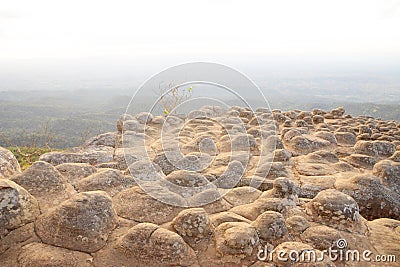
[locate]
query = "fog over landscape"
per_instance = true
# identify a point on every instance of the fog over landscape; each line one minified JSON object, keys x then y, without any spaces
{"x":76,"y":65}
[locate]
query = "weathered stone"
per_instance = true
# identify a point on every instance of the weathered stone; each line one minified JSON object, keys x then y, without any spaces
{"x":75,"y":171}
{"x":135,"y":204}
{"x":17,"y":207}
{"x":82,"y":223}
{"x":44,"y":182}
{"x":333,"y":208}
{"x":297,"y":224}
{"x":345,"y":138}
{"x":8,"y":163}
{"x":236,"y":240}
{"x":375,"y":148}
{"x":148,"y":244}
{"x":105,"y":139}
{"x":108,"y":180}
{"x":193,"y":225}
{"x":270,"y":226}
{"x":389,"y":173}
{"x":321,"y":237}
{"x":374,"y":199}
{"x":360,"y":161}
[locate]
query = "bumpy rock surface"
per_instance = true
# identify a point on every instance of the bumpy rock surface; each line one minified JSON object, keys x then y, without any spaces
{"x":17,"y":207}
{"x":82,"y":223}
{"x":44,"y":182}
{"x":8,"y":163}
{"x":214,"y":187}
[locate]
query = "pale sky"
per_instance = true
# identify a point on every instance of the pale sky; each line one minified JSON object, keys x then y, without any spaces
{"x":49,"y":29}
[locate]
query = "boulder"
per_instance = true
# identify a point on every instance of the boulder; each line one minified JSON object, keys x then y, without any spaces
{"x":193,"y":225}
{"x":375,"y":148}
{"x":389,"y":173}
{"x":17,"y":207}
{"x":297,"y":224}
{"x":45,"y":182}
{"x":105,"y":139}
{"x":74,"y":172}
{"x":335,"y":209}
{"x":148,"y":244}
{"x":135,"y":204}
{"x":108,"y":180}
{"x":81,"y":223}
{"x":270,"y":226}
{"x":236,"y":240}
{"x":8,"y":163}
{"x":374,"y":199}
{"x":321,"y":237}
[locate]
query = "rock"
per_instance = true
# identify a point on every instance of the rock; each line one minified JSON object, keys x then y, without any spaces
{"x":144,"y":117}
{"x":389,"y":231}
{"x":230,"y":178}
{"x":360,"y":161}
{"x":345,"y":138}
{"x":38,"y":255}
{"x":389,"y":173}
{"x":336,"y":209}
{"x":74,"y":172}
{"x":242,"y":195}
{"x":285,"y":188}
{"x":186,"y":183}
{"x":145,"y":170}
{"x":11,"y":244}
{"x":314,"y":169}
{"x":132,"y":125}
{"x":8,"y":163}
{"x":135,"y":204}
{"x":44,"y":182}
{"x":396,"y":156}
{"x":92,"y":155}
{"x":282,"y":155}
{"x":316,"y":119}
{"x":374,"y":199}
{"x":81,"y":223}
{"x":338,"y":112}
{"x":328,"y":136}
{"x":222,"y":217}
{"x":296,"y":224}
{"x":375,"y":148}
{"x":307,"y":143}
{"x":312,"y":185}
{"x":148,"y":244}
{"x":121,"y":120}
{"x":108,"y":180}
{"x":235,"y":240}
{"x":253,"y":210}
{"x":271,"y":170}
{"x":105,"y":139}
{"x":193,"y":225}
{"x":164,"y":161}
{"x":270,"y":226}
{"x":321,"y":237}
{"x":189,"y":199}
{"x":124,"y":157}
{"x":17,"y":207}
